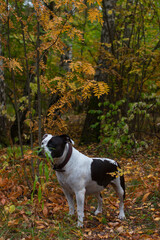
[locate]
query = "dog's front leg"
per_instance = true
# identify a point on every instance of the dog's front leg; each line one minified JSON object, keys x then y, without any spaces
{"x":80,"y":196}
{"x":70,"y":201}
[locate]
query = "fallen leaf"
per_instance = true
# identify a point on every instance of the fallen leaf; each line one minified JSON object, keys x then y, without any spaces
{"x":13,"y":222}
{"x":45,"y":211}
{"x":3,"y":201}
{"x":12,"y":208}
{"x":138,"y":194}
{"x":113,"y":224}
{"x":120,"y":229}
{"x":145,"y":196}
{"x":41,"y":226}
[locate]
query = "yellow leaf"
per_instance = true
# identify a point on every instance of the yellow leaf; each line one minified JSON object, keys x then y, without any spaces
{"x":12,"y":208}
{"x":108,"y":45}
{"x":145,"y":196}
{"x":110,"y":12}
{"x":41,"y":226}
{"x":139,"y":208}
{"x":5,"y":164}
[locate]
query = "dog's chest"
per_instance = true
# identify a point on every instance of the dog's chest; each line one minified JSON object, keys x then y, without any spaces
{"x":77,"y":173}
{"x":65,"y":181}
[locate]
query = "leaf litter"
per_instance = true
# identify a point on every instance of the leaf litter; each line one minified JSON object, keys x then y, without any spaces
{"x":23,"y":218}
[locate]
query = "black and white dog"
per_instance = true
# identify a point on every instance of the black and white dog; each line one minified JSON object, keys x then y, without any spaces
{"x":80,"y":175}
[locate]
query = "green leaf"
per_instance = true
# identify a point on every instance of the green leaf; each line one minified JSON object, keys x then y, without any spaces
{"x":39,"y":193}
{"x":41,"y":168}
{"x":34,"y":184}
{"x":46,"y":172}
{"x":95,"y":125}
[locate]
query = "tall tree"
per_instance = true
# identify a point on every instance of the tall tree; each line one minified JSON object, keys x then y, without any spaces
{"x":2,"y":97}
{"x":107,"y":38}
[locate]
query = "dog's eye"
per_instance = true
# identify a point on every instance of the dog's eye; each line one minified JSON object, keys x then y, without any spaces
{"x":45,"y":135}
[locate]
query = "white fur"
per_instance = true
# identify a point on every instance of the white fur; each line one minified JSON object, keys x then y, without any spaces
{"x":108,"y":159}
{"x":44,"y":144}
{"x":76,"y":179}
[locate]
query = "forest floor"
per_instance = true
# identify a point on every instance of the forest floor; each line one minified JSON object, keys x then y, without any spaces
{"x":44,"y":215}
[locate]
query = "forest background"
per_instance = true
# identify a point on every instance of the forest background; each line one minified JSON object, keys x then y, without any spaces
{"x":89,"y":69}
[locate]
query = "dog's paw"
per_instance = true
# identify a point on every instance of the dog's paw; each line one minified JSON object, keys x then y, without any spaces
{"x":122,"y":216}
{"x":71,"y":213}
{"x":97,"y":212}
{"x":80,"y":224}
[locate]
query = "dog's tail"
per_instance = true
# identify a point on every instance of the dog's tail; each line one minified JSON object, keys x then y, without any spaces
{"x":122,"y":181}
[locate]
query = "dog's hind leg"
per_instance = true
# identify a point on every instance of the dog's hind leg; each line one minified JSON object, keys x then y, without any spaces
{"x":99,"y":208}
{"x":116,"y":183}
{"x":70,"y":201}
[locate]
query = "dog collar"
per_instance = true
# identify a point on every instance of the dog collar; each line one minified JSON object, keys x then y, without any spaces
{"x":59,"y":167}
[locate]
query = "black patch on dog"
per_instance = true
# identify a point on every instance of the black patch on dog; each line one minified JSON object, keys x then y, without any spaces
{"x":56,"y":145}
{"x":103,"y":172}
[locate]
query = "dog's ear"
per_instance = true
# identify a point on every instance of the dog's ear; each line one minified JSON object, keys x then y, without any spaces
{"x":67,"y":138}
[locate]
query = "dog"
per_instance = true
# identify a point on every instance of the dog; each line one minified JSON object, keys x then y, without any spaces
{"x":82,"y":175}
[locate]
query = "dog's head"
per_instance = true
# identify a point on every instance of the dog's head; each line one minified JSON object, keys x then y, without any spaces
{"x":54,"y":145}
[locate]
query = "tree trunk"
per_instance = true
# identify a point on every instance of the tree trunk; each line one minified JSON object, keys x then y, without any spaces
{"x":14,"y":83}
{"x":107,"y":36}
{"x":3,"y":120}
{"x":66,"y":58}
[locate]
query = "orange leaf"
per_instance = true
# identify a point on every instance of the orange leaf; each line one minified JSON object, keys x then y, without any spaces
{"x":13,"y":222}
{"x":145,"y":196}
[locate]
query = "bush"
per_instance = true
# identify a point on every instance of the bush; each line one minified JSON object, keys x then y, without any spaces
{"x":123,"y":124}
